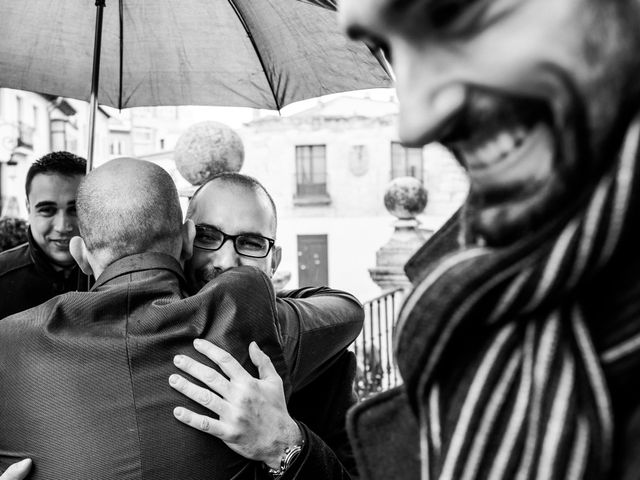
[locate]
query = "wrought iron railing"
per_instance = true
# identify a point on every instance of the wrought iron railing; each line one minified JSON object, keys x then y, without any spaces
{"x":374,"y":347}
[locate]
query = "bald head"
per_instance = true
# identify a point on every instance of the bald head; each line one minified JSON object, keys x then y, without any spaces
{"x":129,"y":206}
{"x":236,"y":180}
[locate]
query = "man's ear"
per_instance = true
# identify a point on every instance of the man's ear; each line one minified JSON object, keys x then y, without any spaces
{"x":188,"y":236}
{"x":78,"y":251}
{"x":275,"y":258}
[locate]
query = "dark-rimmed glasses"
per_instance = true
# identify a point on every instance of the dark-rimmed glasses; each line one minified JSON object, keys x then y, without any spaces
{"x":246,"y":244}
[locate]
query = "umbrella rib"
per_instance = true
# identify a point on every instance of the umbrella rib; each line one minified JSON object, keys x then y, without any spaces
{"x":121,"y":15}
{"x":255,"y":48}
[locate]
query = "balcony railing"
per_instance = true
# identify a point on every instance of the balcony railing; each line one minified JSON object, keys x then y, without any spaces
{"x":377,"y":370}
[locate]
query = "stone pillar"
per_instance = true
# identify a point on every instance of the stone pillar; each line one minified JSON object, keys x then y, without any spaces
{"x":405,"y":198}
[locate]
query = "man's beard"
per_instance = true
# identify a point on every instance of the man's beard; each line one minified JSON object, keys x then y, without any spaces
{"x":204,"y":275}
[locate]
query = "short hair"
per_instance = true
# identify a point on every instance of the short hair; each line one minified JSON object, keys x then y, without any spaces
{"x":60,"y":163}
{"x":239,"y":180}
{"x":131,"y":206}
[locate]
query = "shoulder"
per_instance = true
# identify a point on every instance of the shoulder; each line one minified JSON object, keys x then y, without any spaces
{"x":26,"y":320}
{"x":15,"y":259}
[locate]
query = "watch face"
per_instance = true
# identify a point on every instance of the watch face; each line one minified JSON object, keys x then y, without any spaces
{"x":290,"y":455}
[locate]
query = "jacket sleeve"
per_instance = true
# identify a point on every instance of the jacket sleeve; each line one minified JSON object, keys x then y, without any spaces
{"x":322,"y":407}
{"x":316,"y":324}
{"x":316,"y":462}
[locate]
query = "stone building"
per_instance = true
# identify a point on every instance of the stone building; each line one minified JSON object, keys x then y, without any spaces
{"x":32,"y":125}
{"x":328,"y":169}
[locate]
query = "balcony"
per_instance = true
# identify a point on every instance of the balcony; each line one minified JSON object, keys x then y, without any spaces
{"x":377,"y":370}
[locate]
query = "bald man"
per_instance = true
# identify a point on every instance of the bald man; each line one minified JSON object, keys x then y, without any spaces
{"x":125,"y":332}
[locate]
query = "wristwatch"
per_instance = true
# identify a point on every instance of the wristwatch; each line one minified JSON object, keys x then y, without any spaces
{"x":289,"y":456}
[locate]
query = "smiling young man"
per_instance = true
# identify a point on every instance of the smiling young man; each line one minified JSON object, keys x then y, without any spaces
{"x":43,"y":268}
{"x":520,"y":344}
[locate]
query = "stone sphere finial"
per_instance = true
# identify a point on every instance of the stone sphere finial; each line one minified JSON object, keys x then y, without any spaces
{"x":405,"y":197}
{"x":206,"y":149}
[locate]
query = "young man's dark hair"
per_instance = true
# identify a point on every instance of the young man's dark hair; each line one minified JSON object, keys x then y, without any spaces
{"x":61,"y":163}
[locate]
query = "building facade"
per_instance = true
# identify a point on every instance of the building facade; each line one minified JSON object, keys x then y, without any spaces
{"x":32,"y":125}
{"x":328,"y":169}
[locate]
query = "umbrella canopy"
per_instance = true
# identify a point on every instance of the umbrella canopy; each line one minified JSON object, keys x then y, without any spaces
{"x":247,"y":53}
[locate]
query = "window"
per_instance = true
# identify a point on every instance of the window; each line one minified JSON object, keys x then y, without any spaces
{"x":406,"y":162}
{"x":115,"y":147}
{"x":25,"y":132}
{"x":311,"y":171}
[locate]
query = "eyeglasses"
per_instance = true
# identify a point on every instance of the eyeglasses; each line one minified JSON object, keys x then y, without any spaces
{"x":246,"y":244}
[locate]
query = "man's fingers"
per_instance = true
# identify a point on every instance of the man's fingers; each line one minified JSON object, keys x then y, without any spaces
{"x":206,"y":375}
{"x":17,"y":471}
{"x":203,"y":396}
{"x":222,"y":358}
{"x":262,"y":361}
{"x":199,"y":422}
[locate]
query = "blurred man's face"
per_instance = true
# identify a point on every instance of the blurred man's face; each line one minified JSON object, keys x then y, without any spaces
{"x":233,"y":210}
{"x":526,"y":93}
{"x":52,"y":215}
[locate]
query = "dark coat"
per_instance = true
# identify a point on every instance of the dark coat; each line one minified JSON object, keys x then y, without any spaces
{"x":27,"y":279}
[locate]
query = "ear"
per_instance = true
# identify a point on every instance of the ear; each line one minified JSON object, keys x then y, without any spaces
{"x":188,"y":236}
{"x":275,"y":258}
{"x":78,"y":251}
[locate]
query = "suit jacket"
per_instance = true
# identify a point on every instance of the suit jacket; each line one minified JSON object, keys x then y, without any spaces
{"x":84,"y":376}
{"x":324,"y":392}
{"x":320,"y":409}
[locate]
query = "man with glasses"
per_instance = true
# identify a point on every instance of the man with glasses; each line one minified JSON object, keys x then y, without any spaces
{"x":236,"y":222}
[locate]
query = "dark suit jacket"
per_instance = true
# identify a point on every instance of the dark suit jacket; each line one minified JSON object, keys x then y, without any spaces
{"x":320,"y":409}
{"x":27,"y":279}
{"x":323,"y":392}
{"x":84,"y":376}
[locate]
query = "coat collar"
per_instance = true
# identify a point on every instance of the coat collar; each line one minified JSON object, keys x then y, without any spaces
{"x":43,"y":263}
{"x":139,"y":263}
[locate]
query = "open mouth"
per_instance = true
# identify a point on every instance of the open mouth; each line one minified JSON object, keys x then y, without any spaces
{"x":507,"y":145}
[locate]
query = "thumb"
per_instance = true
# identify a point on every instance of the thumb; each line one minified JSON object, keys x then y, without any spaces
{"x":262,"y":361}
{"x":17,"y":471}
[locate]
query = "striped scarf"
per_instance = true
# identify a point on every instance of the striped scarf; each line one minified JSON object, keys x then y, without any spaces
{"x":505,"y":377}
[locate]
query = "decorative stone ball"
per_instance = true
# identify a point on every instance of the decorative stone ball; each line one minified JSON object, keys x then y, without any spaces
{"x":206,"y":149}
{"x":405,"y":197}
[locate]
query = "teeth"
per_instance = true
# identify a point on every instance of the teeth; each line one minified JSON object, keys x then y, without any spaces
{"x":507,"y":143}
{"x":494,"y":149}
{"x":489,"y":153}
{"x":519,"y":134}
